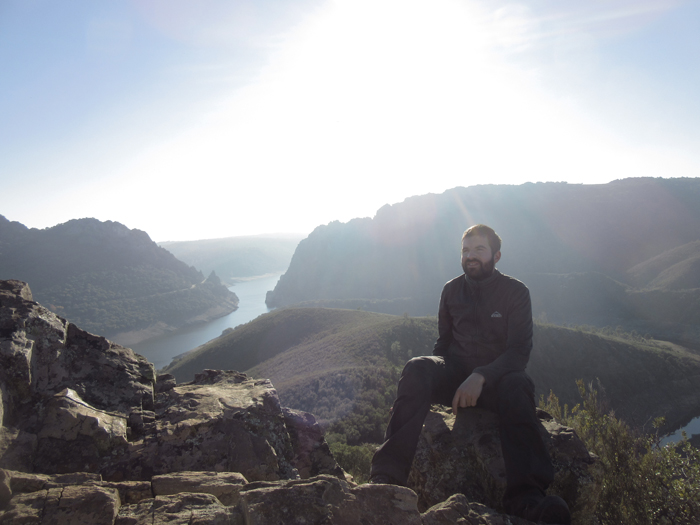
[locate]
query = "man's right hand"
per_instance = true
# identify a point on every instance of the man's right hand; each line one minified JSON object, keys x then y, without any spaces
{"x":468,"y":392}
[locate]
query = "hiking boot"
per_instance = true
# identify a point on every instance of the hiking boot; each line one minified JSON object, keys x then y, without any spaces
{"x":547,"y":509}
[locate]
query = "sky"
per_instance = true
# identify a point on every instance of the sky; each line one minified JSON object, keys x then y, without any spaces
{"x":216,"y":118}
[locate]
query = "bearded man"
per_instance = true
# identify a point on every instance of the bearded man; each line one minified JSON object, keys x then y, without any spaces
{"x":479,"y":359}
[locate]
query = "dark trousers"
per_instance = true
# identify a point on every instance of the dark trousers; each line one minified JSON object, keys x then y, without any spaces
{"x":431,"y":379}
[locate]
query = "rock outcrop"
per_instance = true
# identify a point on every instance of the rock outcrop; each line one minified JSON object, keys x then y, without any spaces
{"x":462,"y":455}
{"x":90,"y":435}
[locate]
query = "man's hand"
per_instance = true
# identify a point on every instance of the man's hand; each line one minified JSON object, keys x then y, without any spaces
{"x":468,"y":392}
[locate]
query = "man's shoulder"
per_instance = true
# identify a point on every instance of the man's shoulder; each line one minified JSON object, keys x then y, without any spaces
{"x":458,"y":281}
{"x":507,"y":280}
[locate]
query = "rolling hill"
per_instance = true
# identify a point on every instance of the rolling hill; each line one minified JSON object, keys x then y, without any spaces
{"x":675,"y":269}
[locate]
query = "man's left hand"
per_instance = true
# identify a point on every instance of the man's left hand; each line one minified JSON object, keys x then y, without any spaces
{"x":468,"y":392}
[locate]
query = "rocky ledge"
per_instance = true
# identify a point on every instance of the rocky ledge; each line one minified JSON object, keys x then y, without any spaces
{"x":90,"y":435}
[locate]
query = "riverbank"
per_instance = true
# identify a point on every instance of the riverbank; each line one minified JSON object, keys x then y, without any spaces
{"x":134,"y":337}
{"x":162,"y":348}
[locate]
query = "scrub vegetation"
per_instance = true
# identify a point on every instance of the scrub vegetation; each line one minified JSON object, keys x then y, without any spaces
{"x":643,"y":483}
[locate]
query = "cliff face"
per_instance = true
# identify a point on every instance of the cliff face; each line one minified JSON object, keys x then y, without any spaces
{"x":109,"y":279}
{"x":90,"y":435}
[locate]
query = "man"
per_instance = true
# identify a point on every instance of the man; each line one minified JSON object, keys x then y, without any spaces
{"x":484,"y":342}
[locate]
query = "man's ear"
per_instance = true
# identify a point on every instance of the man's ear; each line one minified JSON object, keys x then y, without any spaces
{"x":497,"y":256}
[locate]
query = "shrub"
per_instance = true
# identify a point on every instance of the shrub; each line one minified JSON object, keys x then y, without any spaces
{"x":356,"y":460}
{"x":642,"y":482}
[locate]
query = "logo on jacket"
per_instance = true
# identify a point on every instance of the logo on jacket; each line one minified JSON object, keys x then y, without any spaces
{"x":496,"y":314}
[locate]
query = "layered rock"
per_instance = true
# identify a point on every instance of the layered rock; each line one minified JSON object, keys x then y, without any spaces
{"x":76,"y":402}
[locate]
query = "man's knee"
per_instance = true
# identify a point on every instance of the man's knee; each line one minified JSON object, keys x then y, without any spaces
{"x":518,"y":382}
{"x":424,"y":364}
{"x":420,"y":370}
{"x":516,"y":391}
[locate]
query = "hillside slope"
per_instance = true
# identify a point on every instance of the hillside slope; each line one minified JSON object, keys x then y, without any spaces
{"x":109,"y":279}
{"x":293,"y":343}
{"x":674,"y":269}
{"x":331,"y":361}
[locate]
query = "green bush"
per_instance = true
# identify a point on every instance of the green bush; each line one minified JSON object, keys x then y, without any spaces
{"x":642,"y":482}
{"x":356,"y":460}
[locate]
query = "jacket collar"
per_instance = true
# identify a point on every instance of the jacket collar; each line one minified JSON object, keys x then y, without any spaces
{"x":486,"y":282}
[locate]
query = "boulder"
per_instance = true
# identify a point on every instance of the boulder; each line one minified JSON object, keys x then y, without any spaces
{"x":178,"y":509}
{"x":462,"y":455}
{"x":312,"y":455}
{"x":42,"y":354}
{"x":224,"y":485}
{"x":68,"y":416}
{"x":71,"y":423}
{"x":457,"y":509}
{"x":5,"y":489}
{"x":73,"y":504}
{"x":222,"y":422}
{"x":327,"y":500}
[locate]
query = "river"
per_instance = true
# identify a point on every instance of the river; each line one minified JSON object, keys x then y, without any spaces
{"x":691,"y":429}
{"x":251,"y":295}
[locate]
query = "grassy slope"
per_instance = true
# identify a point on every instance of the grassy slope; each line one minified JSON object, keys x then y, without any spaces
{"x":321,"y":360}
{"x":306,"y":340}
{"x":672,"y":270}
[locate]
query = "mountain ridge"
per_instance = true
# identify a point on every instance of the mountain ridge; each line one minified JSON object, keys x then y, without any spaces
{"x":407,"y":251}
{"x":109,"y":278}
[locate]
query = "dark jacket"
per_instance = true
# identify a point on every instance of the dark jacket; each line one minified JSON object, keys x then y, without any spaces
{"x":485,"y":325}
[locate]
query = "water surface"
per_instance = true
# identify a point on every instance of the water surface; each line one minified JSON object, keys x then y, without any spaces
{"x":691,"y":429}
{"x":251,"y":295}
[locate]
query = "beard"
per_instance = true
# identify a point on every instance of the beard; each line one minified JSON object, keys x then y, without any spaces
{"x":481,"y":272}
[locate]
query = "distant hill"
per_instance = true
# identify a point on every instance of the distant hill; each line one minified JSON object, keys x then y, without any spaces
{"x":109,"y":279}
{"x":235,"y":257}
{"x":675,"y":269}
{"x":554,"y":234}
{"x":325,"y":360}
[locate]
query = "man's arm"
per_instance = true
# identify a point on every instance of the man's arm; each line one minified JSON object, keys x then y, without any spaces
{"x":519,"y":343}
{"x":444,"y":326}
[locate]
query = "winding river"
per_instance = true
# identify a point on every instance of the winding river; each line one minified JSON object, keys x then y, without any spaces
{"x":251,"y":295}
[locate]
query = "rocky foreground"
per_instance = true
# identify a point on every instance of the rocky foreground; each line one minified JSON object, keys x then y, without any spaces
{"x":91,"y":435}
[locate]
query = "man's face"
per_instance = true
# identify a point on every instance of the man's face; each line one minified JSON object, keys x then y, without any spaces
{"x":477,"y":260}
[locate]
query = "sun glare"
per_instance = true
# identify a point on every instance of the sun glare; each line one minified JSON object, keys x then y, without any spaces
{"x":365,"y":103}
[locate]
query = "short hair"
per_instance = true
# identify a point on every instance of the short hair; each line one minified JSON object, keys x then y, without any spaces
{"x":485,"y":231}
